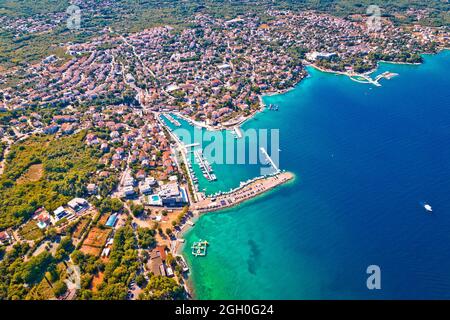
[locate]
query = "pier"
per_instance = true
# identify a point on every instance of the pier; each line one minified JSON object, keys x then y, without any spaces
{"x":367,"y":79}
{"x":205,"y":166}
{"x":238,"y":132}
{"x":387,"y":75}
{"x":269,"y":159}
{"x":192,"y":145}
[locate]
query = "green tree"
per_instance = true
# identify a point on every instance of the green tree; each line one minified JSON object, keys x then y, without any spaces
{"x":116,"y":205}
{"x":146,"y":238}
{"x":141,"y":281}
{"x":163,"y":288}
{"x":33,"y":270}
{"x":64,"y":249}
{"x":59,"y":288}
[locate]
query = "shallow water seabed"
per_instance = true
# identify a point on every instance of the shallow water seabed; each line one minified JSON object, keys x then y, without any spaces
{"x":365,"y":158}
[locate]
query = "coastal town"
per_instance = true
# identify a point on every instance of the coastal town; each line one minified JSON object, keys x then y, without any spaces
{"x":215,"y":71}
{"x":141,"y":181}
{"x":97,"y":190}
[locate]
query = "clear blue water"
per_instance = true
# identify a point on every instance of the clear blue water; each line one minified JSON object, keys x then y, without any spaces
{"x":228,"y":176}
{"x":365,"y":158}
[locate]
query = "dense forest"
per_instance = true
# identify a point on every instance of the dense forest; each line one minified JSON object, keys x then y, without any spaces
{"x":44,"y":171}
{"x":135,"y":15}
{"x":130,"y":13}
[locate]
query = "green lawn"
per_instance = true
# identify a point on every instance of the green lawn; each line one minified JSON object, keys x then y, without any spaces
{"x":30,"y":231}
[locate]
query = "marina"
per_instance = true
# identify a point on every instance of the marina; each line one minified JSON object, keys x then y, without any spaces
{"x":365,"y":78}
{"x":205,"y":166}
{"x":316,"y":210}
{"x":172,"y":120}
{"x":184,"y":151}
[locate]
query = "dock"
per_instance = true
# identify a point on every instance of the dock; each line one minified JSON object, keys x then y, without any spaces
{"x":192,"y":145}
{"x":205,"y":166}
{"x":192,"y":176}
{"x":269,"y":159}
{"x":238,"y":132}
{"x":387,"y":75}
{"x":367,"y":79}
{"x":172,"y":120}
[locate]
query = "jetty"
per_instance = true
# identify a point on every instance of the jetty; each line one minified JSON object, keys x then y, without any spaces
{"x":205,"y":166}
{"x":269,"y":159}
{"x":365,"y":78}
{"x":192,"y":145}
{"x":387,"y":75}
{"x":238,"y":132}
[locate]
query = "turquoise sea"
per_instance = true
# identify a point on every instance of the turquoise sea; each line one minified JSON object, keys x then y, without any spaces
{"x":365,"y":159}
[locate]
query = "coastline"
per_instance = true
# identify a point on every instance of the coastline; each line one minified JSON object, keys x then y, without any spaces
{"x":353,"y":74}
{"x":239,"y":121}
{"x":286,"y":177}
{"x":247,"y":191}
{"x":197,"y":215}
{"x":239,"y":195}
